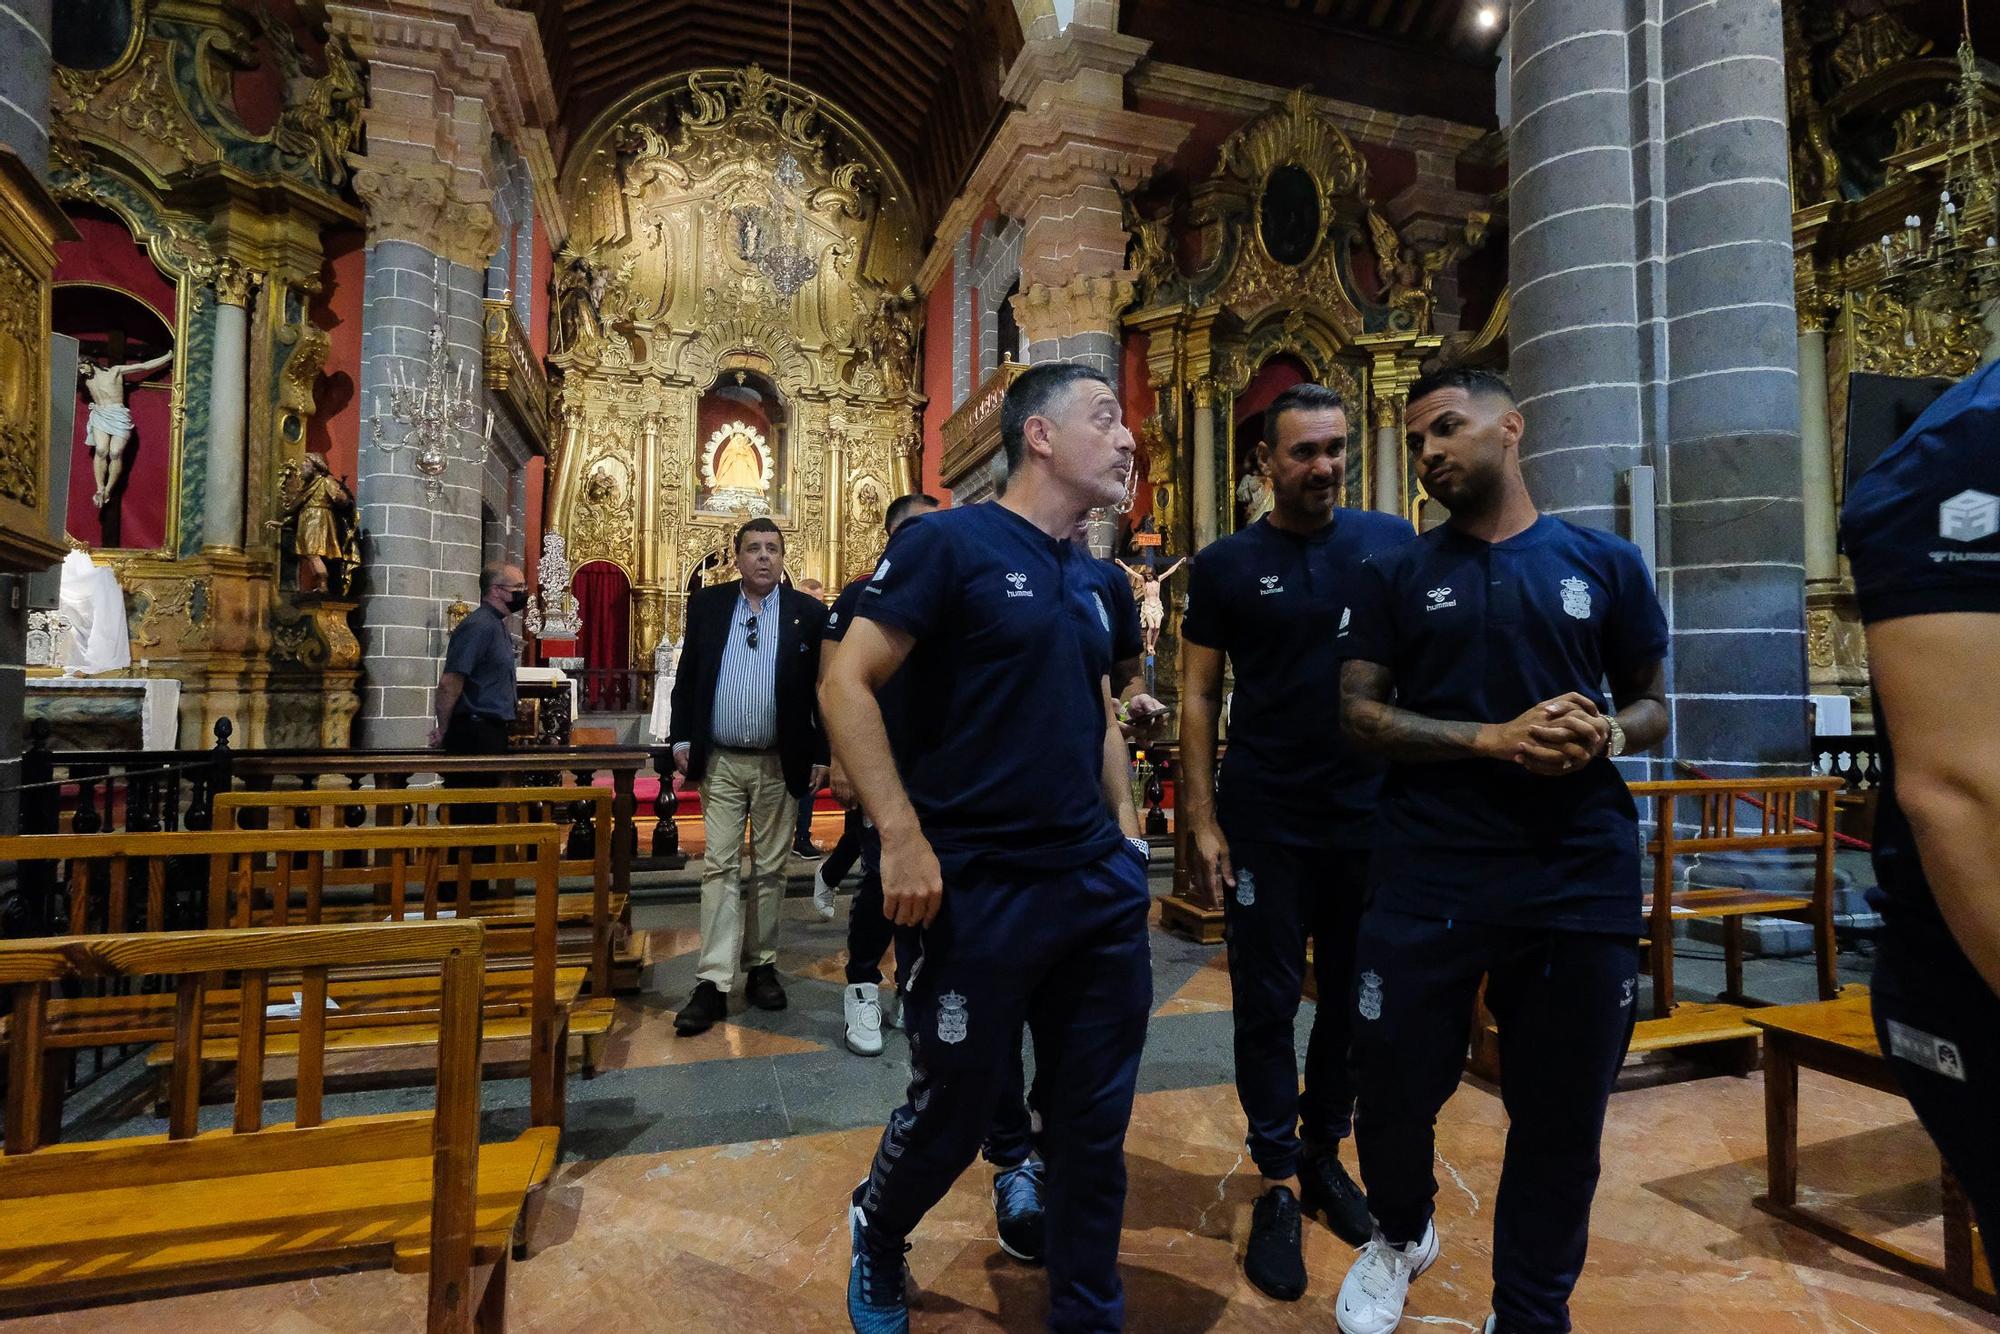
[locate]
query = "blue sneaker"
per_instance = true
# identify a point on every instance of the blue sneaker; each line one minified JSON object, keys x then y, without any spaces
{"x":878,"y":1296}
{"x":1017,"y":1208}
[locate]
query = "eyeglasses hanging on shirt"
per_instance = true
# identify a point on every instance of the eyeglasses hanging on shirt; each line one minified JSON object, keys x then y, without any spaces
{"x":750,"y":629}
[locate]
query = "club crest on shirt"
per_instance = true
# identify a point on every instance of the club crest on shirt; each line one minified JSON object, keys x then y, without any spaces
{"x":1270,"y":584}
{"x":1018,"y":585}
{"x":1576,"y":598}
{"x":1246,"y":888}
{"x":1370,"y":1003}
{"x":951,"y":1018}
{"x":881,"y":573}
{"x":1627,"y":989}
{"x":1346,"y":618}
{"x":1440,"y":598}
{"x":1969,"y":516}
{"x":1103,"y":616}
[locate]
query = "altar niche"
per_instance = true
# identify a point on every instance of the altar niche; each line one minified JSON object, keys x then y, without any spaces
{"x":741,"y":427}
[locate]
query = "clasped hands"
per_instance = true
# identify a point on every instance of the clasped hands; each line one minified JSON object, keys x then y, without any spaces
{"x":1556,"y":737}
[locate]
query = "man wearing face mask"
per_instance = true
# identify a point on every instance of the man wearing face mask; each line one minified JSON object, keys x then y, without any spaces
{"x":475,"y":695}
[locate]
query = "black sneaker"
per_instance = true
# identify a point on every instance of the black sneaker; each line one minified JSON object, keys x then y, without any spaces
{"x":762,"y":988}
{"x":1017,"y":1211}
{"x":1326,"y":1189}
{"x":807,"y":849}
{"x":706,"y":1008}
{"x":1273,"y":1262}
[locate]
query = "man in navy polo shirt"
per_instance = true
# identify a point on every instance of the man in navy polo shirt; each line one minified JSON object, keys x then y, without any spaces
{"x":1508,"y":848}
{"x":1922,"y":530}
{"x":1009,"y":837}
{"x":1284,"y":845}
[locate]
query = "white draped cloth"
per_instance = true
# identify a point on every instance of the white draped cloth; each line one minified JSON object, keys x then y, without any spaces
{"x":94,"y":605}
{"x":666,"y":661}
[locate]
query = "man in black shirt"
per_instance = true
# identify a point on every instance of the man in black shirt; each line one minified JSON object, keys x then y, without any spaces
{"x":1922,"y":531}
{"x":476,"y":692}
{"x":1284,"y":845}
{"x":1507,"y":848}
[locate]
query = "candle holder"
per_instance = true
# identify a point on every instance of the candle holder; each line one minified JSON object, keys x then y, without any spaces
{"x":439,"y":413}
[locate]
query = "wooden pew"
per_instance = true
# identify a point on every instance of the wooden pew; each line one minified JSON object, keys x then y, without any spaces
{"x":604,"y":911}
{"x":93,"y":1222}
{"x":1738,"y":815}
{"x":1837,"y":1037}
{"x":525,"y":994}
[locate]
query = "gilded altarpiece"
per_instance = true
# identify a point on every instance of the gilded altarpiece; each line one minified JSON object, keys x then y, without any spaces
{"x":1869,"y":102}
{"x":1280,"y":231}
{"x":734,"y":239}
{"x":153,"y":136}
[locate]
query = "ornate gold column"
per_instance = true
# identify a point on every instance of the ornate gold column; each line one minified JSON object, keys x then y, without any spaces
{"x":1206,"y":512}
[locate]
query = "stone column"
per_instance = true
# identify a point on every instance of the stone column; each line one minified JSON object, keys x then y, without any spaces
{"x":1653,"y":325}
{"x":1201,"y":496}
{"x":443,"y":79}
{"x":222,"y":505}
{"x":25,"y":63}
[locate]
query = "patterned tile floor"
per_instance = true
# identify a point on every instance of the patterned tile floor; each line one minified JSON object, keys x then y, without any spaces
{"x":703,"y":1185}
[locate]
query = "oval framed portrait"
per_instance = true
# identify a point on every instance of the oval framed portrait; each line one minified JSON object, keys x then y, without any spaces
{"x":97,"y":36}
{"x":1290,"y":220}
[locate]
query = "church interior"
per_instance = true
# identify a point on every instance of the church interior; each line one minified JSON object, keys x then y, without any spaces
{"x":317,"y":309}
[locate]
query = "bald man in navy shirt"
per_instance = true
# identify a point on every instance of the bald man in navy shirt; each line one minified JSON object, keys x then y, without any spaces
{"x":1477,"y":664}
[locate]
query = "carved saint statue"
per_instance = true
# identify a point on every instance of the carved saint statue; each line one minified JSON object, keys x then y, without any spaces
{"x":110,"y":426}
{"x":1253,"y":493}
{"x":1409,"y":275}
{"x":1146,"y":585}
{"x":738,"y":466}
{"x":320,"y":509}
{"x":580,"y":289}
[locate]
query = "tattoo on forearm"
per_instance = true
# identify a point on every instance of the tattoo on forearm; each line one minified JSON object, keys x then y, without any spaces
{"x":1397,"y":734}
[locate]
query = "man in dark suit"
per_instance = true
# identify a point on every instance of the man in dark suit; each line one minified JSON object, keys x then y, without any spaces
{"x":745,"y":729}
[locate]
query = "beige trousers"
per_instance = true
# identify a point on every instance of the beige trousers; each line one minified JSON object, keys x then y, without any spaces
{"x":742,"y":787}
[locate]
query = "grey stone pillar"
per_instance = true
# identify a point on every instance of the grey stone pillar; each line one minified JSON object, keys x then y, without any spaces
{"x":1205,"y":510}
{"x":222,"y":508}
{"x":25,"y":63}
{"x":422,"y":554}
{"x":1653,"y":324}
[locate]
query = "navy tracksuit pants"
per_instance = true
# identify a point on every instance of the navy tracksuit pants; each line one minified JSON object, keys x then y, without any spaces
{"x":1284,"y":895}
{"x":1939,"y":1024}
{"x":1067,"y":954}
{"x":1563,"y":1001}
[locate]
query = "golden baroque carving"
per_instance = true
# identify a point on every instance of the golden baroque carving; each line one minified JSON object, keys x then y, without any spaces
{"x":234,"y":282}
{"x":169,"y":605}
{"x":21,"y":424}
{"x":1819,"y":637}
{"x":1894,"y":339}
{"x":141,"y":101}
{"x":322,"y":120}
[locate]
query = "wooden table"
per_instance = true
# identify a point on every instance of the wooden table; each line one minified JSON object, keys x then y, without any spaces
{"x":1837,"y":1038}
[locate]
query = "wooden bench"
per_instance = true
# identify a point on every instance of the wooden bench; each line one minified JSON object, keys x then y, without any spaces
{"x":526,"y":996}
{"x":1774,"y":822}
{"x":93,"y":1222}
{"x":1837,"y":1037}
{"x":605,"y":912}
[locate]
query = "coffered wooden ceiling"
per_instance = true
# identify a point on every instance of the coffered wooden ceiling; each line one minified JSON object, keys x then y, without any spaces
{"x":922,"y":76}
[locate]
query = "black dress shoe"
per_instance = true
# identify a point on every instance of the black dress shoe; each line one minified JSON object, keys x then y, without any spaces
{"x":1273,"y":1261}
{"x":807,"y":849}
{"x":762,"y":989}
{"x":1327,"y":1190}
{"x":706,"y":1008}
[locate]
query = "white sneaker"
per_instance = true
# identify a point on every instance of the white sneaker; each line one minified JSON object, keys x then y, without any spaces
{"x":823,"y":894}
{"x":892,"y":1009}
{"x":1492,"y":1323}
{"x":863,"y":1005}
{"x":1372,"y":1294}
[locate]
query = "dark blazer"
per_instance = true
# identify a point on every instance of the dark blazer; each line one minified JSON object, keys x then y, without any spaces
{"x":710,"y":617}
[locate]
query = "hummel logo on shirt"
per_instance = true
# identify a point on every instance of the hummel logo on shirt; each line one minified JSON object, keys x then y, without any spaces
{"x":1440,"y":598}
{"x":1270,"y":584}
{"x":1020,"y":587}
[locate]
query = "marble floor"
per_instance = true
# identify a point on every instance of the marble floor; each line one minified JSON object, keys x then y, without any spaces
{"x":704,"y":1182}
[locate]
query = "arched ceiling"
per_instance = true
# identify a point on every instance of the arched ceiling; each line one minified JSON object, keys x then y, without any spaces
{"x":921,"y":76}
